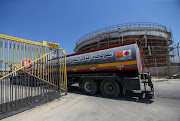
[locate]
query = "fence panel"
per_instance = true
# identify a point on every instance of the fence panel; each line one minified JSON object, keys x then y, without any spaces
{"x":29,"y":73}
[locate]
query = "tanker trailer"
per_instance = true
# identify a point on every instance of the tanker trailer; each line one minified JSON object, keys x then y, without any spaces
{"x":112,"y":70}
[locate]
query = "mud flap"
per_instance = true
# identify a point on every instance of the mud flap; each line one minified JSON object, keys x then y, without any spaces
{"x":150,"y":84}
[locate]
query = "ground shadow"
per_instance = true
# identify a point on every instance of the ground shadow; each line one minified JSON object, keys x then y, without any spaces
{"x":130,"y":96}
{"x":162,"y":80}
{"x":25,"y":108}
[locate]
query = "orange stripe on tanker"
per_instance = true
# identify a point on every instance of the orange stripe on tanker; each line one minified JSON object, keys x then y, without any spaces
{"x":103,"y":65}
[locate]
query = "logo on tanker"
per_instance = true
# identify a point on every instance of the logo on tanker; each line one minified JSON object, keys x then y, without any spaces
{"x":123,"y":55}
{"x":126,"y":53}
{"x":25,"y":62}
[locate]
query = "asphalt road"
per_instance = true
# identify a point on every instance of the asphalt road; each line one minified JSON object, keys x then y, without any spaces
{"x":78,"y":107}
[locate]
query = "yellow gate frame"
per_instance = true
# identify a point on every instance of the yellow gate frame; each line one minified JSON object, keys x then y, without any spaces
{"x":18,"y":48}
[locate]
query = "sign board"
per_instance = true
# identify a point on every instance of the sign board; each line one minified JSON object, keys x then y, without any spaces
{"x":53,"y":45}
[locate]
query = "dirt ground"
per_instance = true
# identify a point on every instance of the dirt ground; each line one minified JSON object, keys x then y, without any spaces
{"x":78,"y":107}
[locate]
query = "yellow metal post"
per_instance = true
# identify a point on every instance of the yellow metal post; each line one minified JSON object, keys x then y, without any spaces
{"x":3,"y":57}
{"x":12,"y":47}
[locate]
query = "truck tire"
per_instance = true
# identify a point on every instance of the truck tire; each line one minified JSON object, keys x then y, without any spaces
{"x":12,"y":81}
{"x":109,"y":88}
{"x":89,"y":87}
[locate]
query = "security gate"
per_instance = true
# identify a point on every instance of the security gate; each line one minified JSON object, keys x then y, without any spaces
{"x":29,"y":72}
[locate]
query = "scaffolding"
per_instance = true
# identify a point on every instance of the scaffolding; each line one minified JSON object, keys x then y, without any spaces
{"x":155,"y":39}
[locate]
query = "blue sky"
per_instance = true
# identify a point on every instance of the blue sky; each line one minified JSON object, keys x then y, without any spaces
{"x":65,"y":21}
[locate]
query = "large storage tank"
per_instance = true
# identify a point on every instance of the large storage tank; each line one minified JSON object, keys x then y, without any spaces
{"x":155,"y":39}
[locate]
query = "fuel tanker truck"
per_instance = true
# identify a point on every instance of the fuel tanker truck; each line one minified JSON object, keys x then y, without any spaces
{"x":112,"y":70}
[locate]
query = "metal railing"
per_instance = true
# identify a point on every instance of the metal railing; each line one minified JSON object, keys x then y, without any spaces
{"x":27,"y":75}
{"x":125,"y":25}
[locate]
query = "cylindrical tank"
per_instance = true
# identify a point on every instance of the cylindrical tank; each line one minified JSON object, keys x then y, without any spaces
{"x":124,"y":56}
{"x":156,"y":40}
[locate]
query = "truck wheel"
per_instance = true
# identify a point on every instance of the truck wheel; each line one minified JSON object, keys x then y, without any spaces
{"x":110,"y":88}
{"x":11,"y":81}
{"x":89,"y":87}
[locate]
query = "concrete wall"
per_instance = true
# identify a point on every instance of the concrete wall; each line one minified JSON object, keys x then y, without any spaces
{"x":165,"y":71}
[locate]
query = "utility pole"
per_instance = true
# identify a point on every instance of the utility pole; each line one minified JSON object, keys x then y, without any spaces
{"x":177,"y":47}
